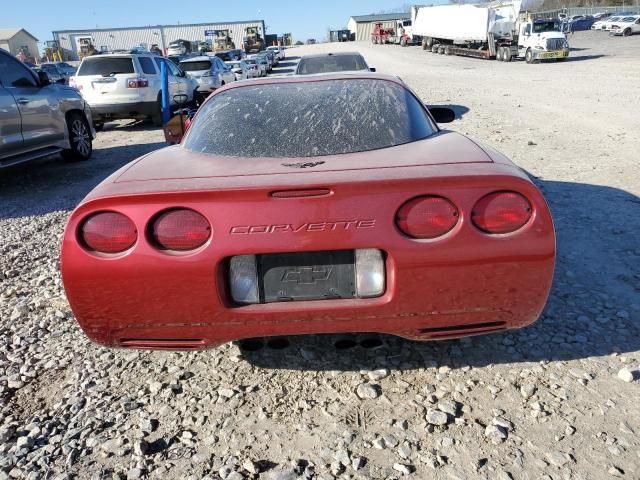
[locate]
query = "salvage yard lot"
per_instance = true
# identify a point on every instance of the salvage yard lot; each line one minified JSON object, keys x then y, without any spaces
{"x":553,"y":399}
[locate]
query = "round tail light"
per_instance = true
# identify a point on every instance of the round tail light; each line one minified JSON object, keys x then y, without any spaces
{"x":180,"y":230}
{"x":108,"y":232}
{"x":501,"y":212}
{"x":427,"y":217}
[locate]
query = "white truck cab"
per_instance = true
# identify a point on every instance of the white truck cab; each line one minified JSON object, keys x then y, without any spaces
{"x":542,"y":40}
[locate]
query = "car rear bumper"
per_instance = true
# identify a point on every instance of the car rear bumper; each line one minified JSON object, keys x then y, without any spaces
{"x":116,"y":111}
{"x":465,"y":283}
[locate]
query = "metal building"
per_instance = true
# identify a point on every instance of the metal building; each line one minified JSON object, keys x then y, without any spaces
{"x":363,"y":25}
{"x":104,"y":39}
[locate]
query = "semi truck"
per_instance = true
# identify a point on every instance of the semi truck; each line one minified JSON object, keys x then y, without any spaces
{"x":499,"y":30}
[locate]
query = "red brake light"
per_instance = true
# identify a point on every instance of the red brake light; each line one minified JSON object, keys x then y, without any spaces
{"x":181,"y":230}
{"x":501,"y":212}
{"x":108,"y":232}
{"x":427,"y":217}
{"x":137,"y":82}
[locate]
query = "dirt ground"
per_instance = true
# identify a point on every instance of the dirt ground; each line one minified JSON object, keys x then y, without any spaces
{"x":557,"y":400}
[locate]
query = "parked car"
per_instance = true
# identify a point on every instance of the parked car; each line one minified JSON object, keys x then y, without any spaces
{"x":626,"y":26}
{"x":266,"y":59}
{"x":209,"y":72}
{"x":64,"y":67}
{"x":601,"y":15}
{"x":347,"y":225}
{"x":332,"y":62}
{"x":272,"y":55}
{"x":278,"y":51}
{"x":260,"y":62}
{"x":118,"y":86}
{"x":581,"y":22}
{"x":232,"y":54}
{"x":243,"y":70}
{"x":606,"y":23}
{"x":55,"y":74}
{"x":38,"y":118}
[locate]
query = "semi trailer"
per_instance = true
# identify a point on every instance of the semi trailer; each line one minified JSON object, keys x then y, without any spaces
{"x":500,"y":30}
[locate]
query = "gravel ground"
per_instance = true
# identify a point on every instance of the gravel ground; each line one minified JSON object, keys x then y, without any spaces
{"x":558,"y":400}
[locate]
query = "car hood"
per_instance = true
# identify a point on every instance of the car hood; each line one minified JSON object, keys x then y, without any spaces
{"x":177,"y":162}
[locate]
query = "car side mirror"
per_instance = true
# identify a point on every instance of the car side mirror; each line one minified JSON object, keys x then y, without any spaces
{"x":43,"y":79}
{"x":373,"y":69}
{"x":442,"y":114}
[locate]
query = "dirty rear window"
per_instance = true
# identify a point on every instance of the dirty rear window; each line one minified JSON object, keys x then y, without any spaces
{"x":308,"y":119}
{"x":106,"y":66}
{"x":195,"y":66}
{"x":331,"y":63}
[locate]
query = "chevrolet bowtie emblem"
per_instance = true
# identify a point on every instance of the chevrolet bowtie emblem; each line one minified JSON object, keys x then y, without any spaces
{"x":307,"y":275}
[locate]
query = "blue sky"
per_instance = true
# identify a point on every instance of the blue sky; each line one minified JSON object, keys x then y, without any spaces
{"x":302,"y":18}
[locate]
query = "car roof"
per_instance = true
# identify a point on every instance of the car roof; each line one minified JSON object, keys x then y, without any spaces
{"x":196,"y":59}
{"x":332,"y":54}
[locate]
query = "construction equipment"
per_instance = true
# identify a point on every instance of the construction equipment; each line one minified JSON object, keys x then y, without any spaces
{"x":381,"y":34}
{"x":222,"y":41}
{"x":253,"y":42}
{"x":86,"y":48}
{"x":53,"y":52}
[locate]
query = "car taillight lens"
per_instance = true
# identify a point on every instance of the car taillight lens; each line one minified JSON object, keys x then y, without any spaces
{"x":108,"y":232}
{"x":427,"y":217}
{"x":501,"y":212}
{"x":180,"y":230}
{"x":137,"y":82}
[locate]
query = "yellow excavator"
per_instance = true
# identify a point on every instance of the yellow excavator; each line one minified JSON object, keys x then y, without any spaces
{"x":53,"y":52}
{"x":253,"y":42}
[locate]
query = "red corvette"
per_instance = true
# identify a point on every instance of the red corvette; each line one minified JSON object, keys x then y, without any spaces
{"x":321,"y":204}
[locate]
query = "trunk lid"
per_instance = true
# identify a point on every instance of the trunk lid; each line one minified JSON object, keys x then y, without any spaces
{"x":172,"y":163}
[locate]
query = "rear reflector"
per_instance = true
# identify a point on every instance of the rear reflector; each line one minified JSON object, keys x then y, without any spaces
{"x":244,"y":279}
{"x":501,"y":212}
{"x":427,"y":217}
{"x":108,"y":232}
{"x":180,"y":230}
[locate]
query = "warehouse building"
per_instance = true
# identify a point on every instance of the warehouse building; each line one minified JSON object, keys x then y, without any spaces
{"x":72,"y":42}
{"x":18,"y":40}
{"x":362,"y":26}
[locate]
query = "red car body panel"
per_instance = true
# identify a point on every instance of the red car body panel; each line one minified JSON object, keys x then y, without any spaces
{"x":463,"y":283}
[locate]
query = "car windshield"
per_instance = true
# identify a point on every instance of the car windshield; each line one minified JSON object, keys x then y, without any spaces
{"x":195,"y":66}
{"x":106,"y":66}
{"x":309,"y":119}
{"x":331,"y":63}
{"x":550,"y":26}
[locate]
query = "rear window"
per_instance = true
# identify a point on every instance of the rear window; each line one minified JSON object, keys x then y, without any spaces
{"x":308,"y":119}
{"x":106,"y":66}
{"x":337,"y":63}
{"x":195,"y":66}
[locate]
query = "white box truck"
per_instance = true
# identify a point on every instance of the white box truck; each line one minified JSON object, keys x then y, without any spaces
{"x":497,"y":30}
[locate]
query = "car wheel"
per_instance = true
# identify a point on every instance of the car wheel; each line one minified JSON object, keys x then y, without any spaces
{"x":626,"y":33}
{"x":528,"y":56}
{"x":79,"y":138}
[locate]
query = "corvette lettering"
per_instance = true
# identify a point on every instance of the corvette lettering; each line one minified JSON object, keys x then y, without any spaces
{"x":303,"y":227}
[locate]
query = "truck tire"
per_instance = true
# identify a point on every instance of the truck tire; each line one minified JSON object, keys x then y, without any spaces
{"x":506,"y":56}
{"x":430,"y":42}
{"x":424,"y":44}
{"x":447,"y":50}
{"x":528,"y":56}
{"x":441,"y":49}
{"x":403,"y":42}
{"x":434,"y":48}
{"x":499,"y":52}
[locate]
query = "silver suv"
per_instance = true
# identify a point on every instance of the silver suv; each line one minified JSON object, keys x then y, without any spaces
{"x":38,"y":119}
{"x":128,"y":86}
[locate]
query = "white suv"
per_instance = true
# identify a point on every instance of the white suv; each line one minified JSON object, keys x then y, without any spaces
{"x":209,"y":72}
{"x":128,"y":86}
